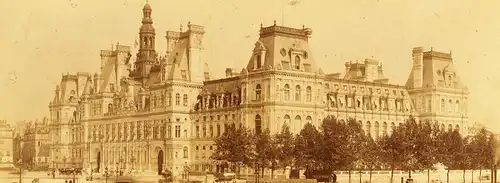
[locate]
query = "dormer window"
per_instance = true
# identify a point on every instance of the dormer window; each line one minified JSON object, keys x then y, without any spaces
{"x":259,"y":62}
{"x":297,"y":62}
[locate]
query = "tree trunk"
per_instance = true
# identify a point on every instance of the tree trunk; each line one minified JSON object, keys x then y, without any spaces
{"x":392,"y":174}
{"x":472,"y":179}
{"x":370,"y":175}
{"x":428,"y":175}
{"x":448,"y":176}
{"x":409,"y":174}
{"x":272,"y":173}
{"x":349,"y":175}
{"x":263,"y":170}
{"x":360,"y":176}
{"x":463,"y":175}
{"x":480,"y":174}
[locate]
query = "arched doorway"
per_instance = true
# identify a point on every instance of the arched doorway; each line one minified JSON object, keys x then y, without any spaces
{"x":98,"y":161}
{"x":160,"y":162}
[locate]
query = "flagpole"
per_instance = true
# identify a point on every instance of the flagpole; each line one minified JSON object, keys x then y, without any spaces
{"x":282,"y":13}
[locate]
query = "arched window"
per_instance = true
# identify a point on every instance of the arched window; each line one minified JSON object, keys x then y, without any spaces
{"x":308,"y":119}
{"x":368,"y":128}
{"x":298,"y":122}
{"x":443,"y":109}
{"x":297,"y":93}
{"x":376,"y":129}
{"x":450,"y":127}
{"x":384,"y":128}
{"x":211,"y":128}
{"x":450,"y":106}
{"x":457,"y":106}
{"x":287,"y":120}
{"x":177,"y":99}
{"x":185,"y":100}
{"x":185,"y":150}
{"x":297,"y":62}
{"x":286,"y":92}
{"x":442,"y":127}
{"x":309,"y":94}
{"x":258,"y":92}
{"x":110,"y":108}
{"x":259,"y":61}
{"x":457,"y":128}
{"x":258,"y":124}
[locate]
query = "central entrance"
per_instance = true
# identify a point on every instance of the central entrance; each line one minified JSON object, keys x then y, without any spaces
{"x":160,"y":162}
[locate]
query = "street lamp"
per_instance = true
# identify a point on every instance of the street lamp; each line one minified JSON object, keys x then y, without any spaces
{"x":20,"y":163}
{"x":64,"y":161}
{"x":106,"y":174}
{"x":53,"y":169}
{"x":132,"y":160}
{"x":73,"y":168}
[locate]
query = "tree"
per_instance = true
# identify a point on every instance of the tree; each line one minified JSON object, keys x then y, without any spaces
{"x":483,"y":153}
{"x":353,"y":150}
{"x":392,"y":147}
{"x":308,"y":146}
{"x":285,"y":147}
{"x":371,"y":152}
{"x":335,"y":140}
{"x":265,"y":151}
{"x":234,"y":146}
{"x":452,"y":154}
{"x":426,"y":146}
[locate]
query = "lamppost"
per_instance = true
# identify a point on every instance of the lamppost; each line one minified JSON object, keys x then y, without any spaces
{"x":88,"y":151}
{"x":53,"y":169}
{"x":186,"y":172}
{"x":64,"y":161}
{"x":101,"y":139}
{"x":20,"y":163}
{"x":147,"y":135}
{"x":73,"y":168}
{"x":132,"y":160}
{"x":106,"y":174}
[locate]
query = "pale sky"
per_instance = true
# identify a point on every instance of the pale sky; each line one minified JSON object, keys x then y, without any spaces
{"x":42,"y":39}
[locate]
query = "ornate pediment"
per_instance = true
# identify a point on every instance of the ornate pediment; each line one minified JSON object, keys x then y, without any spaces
{"x":259,"y":46}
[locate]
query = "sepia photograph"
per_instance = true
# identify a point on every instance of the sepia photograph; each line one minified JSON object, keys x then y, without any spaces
{"x":255,"y":91}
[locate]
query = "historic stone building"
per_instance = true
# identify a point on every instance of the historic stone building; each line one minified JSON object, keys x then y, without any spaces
{"x":149,"y":113}
{"x":34,"y":145}
{"x":6,"y":145}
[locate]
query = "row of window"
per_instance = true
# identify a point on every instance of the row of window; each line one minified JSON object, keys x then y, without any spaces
{"x":286,"y":92}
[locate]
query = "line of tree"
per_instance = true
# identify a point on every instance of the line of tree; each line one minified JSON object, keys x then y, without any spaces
{"x":337,"y":145}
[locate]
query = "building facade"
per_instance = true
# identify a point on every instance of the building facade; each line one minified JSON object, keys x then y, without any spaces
{"x":6,"y":145}
{"x":34,"y":145}
{"x":151,"y":113}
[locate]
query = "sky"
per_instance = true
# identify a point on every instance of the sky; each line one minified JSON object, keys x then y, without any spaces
{"x":40,"y":40}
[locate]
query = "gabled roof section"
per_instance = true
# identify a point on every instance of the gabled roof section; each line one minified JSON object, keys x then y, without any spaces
{"x":282,"y":48}
{"x":177,"y":61}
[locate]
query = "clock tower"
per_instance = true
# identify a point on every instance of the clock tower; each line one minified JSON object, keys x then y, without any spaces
{"x":147,"y":56}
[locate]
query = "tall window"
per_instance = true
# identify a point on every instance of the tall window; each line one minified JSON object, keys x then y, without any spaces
{"x":197,"y":131}
{"x":169,"y":99}
{"x":457,"y":106}
{"x":442,"y":106}
{"x":287,"y":92}
{"x":259,"y":61}
{"x":368,"y":128}
{"x":258,"y":91}
{"x":298,"y":121}
{"x":450,"y":106}
{"x":309,"y":94}
{"x":297,"y":93}
{"x":177,"y":131}
{"x":169,"y":131}
{"x":177,"y":99}
{"x":185,"y":99}
{"x":258,"y":124}
{"x":297,"y":62}
{"x":185,"y":150}
{"x":384,"y":128}
{"x":218,"y":130}
{"x":376,"y":129}
{"x":211,"y":128}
